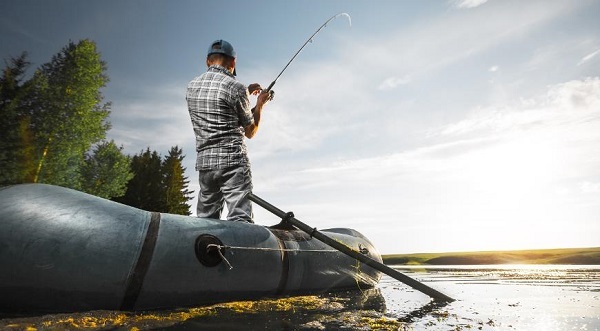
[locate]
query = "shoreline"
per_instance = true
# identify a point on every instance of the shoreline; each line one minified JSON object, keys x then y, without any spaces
{"x":566,"y":256}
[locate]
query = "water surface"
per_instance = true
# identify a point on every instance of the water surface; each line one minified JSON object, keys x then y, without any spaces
{"x":504,"y":297}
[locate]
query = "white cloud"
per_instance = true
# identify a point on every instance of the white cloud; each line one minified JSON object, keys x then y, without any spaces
{"x":577,"y":100}
{"x":158,"y":120}
{"x":468,"y":3}
{"x":576,"y":95}
{"x":505,"y":165}
{"x":393,"y":82}
{"x":333,"y":147}
{"x":318,"y":102}
{"x":588,"y":57}
{"x":590,"y":187}
{"x":312,"y":105}
{"x":429,"y":46}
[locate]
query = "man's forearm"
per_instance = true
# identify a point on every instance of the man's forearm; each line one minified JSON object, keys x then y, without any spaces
{"x":251,"y":129}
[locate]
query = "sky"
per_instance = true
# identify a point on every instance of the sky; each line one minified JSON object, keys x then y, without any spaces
{"x":428,"y":126}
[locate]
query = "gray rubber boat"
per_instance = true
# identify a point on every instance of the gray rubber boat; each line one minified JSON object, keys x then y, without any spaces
{"x":62,"y":251}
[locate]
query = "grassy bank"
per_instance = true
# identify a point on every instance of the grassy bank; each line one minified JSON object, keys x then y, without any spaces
{"x":542,"y":256}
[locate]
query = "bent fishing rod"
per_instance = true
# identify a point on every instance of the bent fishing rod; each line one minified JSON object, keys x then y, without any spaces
{"x":309,"y":40}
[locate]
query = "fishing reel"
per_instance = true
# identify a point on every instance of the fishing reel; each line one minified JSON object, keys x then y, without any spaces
{"x":271,"y":95}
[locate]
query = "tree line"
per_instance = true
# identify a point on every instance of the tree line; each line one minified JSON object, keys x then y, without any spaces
{"x":53,"y":130}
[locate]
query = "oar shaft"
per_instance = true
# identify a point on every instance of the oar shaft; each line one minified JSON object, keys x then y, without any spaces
{"x":352,"y":253}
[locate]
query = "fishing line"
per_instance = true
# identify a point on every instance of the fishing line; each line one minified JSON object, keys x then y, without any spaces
{"x":309,"y":40}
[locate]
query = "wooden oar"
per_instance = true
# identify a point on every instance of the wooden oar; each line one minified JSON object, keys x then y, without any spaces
{"x":289,"y":218}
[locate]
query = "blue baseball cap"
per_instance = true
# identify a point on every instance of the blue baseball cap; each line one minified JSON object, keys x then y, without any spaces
{"x":221,"y":47}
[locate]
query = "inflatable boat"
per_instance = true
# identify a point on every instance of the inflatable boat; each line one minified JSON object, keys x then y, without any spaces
{"x":63,"y":251}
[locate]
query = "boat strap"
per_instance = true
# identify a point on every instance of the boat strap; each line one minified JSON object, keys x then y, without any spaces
{"x":136,"y":277}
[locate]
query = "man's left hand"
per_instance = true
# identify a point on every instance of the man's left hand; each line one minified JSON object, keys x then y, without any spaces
{"x":254,"y":89}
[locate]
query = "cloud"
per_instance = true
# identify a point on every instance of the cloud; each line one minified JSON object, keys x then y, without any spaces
{"x":468,"y":3}
{"x":572,"y":101}
{"x":424,"y":49}
{"x":348,"y":142}
{"x":158,"y":120}
{"x":393,"y":82}
{"x":590,"y":187}
{"x":588,"y":57}
{"x":321,"y":103}
{"x":500,"y":164}
{"x":312,"y":105}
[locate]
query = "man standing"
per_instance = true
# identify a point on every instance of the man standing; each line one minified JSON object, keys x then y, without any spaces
{"x":219,"y":107}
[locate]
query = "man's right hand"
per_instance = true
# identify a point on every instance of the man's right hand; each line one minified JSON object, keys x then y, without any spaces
{"x":263,"y":98}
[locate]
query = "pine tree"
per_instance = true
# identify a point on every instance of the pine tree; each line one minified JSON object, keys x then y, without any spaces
{"x":175,"y":183}
{"x":158,"y":185}
{"x":145,"y":190}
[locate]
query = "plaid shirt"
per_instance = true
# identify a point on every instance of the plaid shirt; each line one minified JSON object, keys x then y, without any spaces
{"x":219,"y":107}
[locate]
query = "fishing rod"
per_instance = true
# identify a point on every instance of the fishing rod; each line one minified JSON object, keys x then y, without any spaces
{"x":309,"y":40}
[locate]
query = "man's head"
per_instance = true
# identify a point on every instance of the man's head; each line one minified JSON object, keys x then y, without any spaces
{"x":221,"y":53}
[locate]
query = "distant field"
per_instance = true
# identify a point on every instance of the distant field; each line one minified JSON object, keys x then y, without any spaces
{"x":542,"y":256}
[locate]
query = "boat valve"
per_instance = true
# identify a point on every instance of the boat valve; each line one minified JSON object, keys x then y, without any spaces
{"x":209,"y":250}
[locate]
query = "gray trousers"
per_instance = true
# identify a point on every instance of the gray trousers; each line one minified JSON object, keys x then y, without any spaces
{"x":231,"y":186}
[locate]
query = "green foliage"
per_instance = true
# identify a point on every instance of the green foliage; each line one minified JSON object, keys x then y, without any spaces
{"x":50,"y":122}
{"x":144,"y":189}
{"x":158,"y":185}
{"x":66,"y":114}
{"x":12,"y":141}
{"x":175,"y":183}
{"x":106,"y":171}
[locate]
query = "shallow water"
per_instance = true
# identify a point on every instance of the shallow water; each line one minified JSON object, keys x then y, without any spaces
{"x":507,"y":297}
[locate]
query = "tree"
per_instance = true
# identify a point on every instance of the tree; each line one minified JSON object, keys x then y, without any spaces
{"x":145,"y":190}
{"x":175,"y":183}
{"x":158,"y":185}
{"x":14,"y":137}
{"x":106,"y":171}
{"x":50,"y":122}
{"x":66,"y":114}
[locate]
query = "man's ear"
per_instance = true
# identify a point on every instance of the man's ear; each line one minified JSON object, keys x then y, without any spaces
{"x":207,"y":63}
